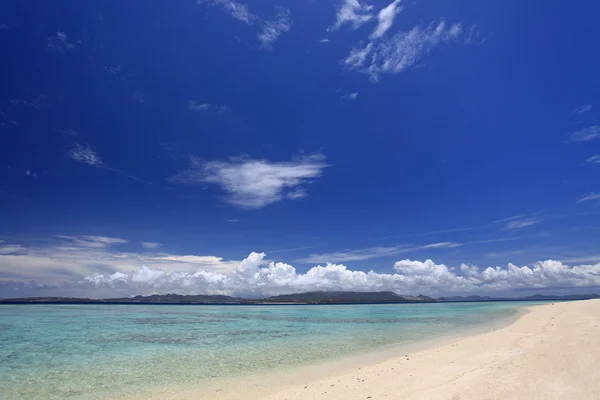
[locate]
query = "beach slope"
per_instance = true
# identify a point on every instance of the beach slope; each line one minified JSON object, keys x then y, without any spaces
{"x":552,"y":352}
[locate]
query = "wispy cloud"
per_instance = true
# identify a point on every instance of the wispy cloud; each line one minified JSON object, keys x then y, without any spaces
{"x":583,"y":109}
{"x":385,"y":18}
{"x":272,"y":29}
{"x":518,"y":221}
{"x":92,"y":241}
{"x":585,"y":135}
{"x":86,"y":154}
{"x":373,"y":252}
{"x":151,"y":245}
{"x":349,"y":96}
{"x":31,"y":174}
{"x":324,"y":40}
{"x":352,"y":13}
{"x":138,"y":97}
{"x":403,"y":50}
{"x":59,"y":43}
{"x":595,"y":159}
{"x":250,"y":183}
{"x":521,"y":223}
{"x":353,"y":255}
{"x":588,"y":197}
{"x":196,"y":106}
{"x":236,"y":10}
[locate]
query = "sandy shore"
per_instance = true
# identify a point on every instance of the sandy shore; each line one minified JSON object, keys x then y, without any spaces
{"x":550,"y":352}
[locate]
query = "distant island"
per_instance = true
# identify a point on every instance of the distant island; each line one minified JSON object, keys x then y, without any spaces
{"x":319,"y":297}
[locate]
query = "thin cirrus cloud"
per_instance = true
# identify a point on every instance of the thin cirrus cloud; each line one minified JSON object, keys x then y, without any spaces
{"x":386,"y":18}
{"x":517,"y":222}
{"x":254,"y":276}
{"x":585,"y":135}
{"x":207,"y":107}
{"x":151,"y":245}
{"x":269,"y":30}
{"x":86,"y":154}
{"x":92,"y":241}
{"x":404,"y":50}
{"x":59,"y":43}
{"x":272,"y":29}
{"x":255,"y":183}
{"x":595,"y":159}
{"x":352,"y":13}
{"x":589,"y":197}
{"x":349,"y":96}
{"x":373,"y":252}
{"x":583,"y":109}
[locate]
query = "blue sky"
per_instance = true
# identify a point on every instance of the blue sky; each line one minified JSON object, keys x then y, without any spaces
{"x":355,"y":133}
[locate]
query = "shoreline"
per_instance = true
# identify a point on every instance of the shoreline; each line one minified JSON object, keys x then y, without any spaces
{"x":236,"y":387}
{"x":464,"y":365}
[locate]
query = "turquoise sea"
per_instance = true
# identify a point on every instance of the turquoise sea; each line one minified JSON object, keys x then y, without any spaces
{"x":100,"y":351}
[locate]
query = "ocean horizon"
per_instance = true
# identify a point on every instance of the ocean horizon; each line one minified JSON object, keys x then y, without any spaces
{"x":107,"y":351}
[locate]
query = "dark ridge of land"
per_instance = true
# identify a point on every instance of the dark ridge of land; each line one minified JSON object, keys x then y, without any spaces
{"x":322,"y":297}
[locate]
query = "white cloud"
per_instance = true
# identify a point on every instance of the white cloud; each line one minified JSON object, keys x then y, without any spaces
{"x":595,"y":159}
{"x":254,"y":276}
{"x":588,"y":197}
{"x":271,"y":30}
{"x":583,"y":109}
{"x":517,"y":222}
{"x":76,"y":257}
{"x":236,"y":10}
{"x":585,"y":135}
{"x":441,"y":245}
{"x":85,"y":154}
{"x":32,"y":174}
{"x":352,"y":13}
{"x":386,"y":18}
{"x":324,"y":40}
{"x":59,"y":43}
{"x":196,"y":106}
{"x":92,"y":241}
{"x":403,"y":50}
{"x":250,"y":183}
{"x":151,"y":245}
{"x":350,"y":96}
{"x":373,"y":252}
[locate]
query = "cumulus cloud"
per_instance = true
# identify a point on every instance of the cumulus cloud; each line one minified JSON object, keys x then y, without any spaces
{"x":352,"y":13}
{"x":385,"y":19}
{"x":403,"y":50}
{"x":595,"y":159}
{"x":254,"y":276}
{"x":151,"y":245}
{"x":585,"y":135}
{"x":272,"y":29}
{"x":583,"y":109}
{"x":251,"y":183}
{"x":71,"y":258}
{"x":85,"y":154}
{"x":588,"y":197}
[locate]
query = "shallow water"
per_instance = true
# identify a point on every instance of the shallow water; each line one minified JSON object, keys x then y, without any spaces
{"x":96,"y":351}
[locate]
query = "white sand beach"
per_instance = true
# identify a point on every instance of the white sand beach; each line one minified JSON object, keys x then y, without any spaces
{"x":550,"y":352}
